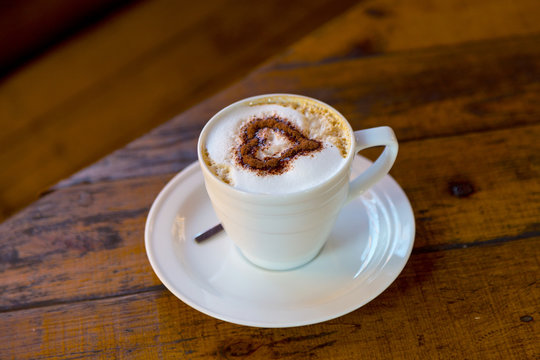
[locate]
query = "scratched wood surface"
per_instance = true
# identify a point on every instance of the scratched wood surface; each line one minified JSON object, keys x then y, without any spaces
{"x":463,"y":99}
{"x":435,"y":309}
{"x":107,"y":221}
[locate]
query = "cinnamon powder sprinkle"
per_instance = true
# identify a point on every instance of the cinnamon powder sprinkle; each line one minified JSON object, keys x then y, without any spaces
{"x":251,"y":142}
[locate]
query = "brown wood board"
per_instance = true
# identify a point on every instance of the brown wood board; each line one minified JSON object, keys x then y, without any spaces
{"x":462,"y":96}
{"x":421,"y":94}
{"x":440,"y":297}
{"x":113,"y":83}
{"x":93,"y":234}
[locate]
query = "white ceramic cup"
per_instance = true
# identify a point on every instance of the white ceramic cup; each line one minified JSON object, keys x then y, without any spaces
{"x":284,"y":231}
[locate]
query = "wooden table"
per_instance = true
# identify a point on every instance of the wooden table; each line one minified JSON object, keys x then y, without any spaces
{"x":460,"y":85}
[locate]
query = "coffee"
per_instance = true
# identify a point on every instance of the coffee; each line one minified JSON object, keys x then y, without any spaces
{"x":277,"y":145}
{"x":287,"y":159}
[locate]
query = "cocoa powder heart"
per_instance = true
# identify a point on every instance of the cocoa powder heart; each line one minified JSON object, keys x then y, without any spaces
{"x":252,"y":143}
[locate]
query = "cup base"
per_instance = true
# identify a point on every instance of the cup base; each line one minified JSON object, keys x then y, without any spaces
{"x":281,"y":266}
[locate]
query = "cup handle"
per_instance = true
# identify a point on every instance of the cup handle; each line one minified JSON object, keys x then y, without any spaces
{"x":379,"y":136}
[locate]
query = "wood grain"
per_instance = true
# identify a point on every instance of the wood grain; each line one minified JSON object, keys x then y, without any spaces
{"x":382,"y":26}
{"x":459,"y":83}
{"x":423,"y":93}
{"x":58,"y":254}
{"x":92,"y":231}
{"x":137,"y":70}
{"x":441,"y":296}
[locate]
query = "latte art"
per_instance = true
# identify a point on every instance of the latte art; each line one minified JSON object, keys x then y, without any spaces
{"x":280,"y":145}
{"x":254,"y":142}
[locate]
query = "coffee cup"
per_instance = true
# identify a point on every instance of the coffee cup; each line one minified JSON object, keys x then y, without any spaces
{"x":276,"y":168}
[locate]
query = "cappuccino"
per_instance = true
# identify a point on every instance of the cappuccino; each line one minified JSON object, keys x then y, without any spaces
{"x":287,"y":160}
{"x":277,"y":145}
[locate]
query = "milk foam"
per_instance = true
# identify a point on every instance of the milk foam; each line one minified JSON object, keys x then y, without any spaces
{"x":305,"y":170}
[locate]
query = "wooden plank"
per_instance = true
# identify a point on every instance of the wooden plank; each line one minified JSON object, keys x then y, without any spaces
{"x":490,"y":306}
{"x":28,"y":95}
{"x":424,"y":93}
{"x":75,"y":282}
{"x":113,"y":84}
{"x":384,"y":26}
{"x":85,"y":242}
{"x":90,"y":231}
{"x":427,"y":93}
{"x":70,"y":107}
{"x":474,"y":187}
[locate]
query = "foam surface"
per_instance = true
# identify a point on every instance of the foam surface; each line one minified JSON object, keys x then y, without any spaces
{"x":304,"y":171}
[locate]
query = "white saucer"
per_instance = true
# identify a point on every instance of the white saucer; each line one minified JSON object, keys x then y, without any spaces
{"x":367,"y":250}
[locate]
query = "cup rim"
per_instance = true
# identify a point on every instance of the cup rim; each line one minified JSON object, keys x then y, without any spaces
{"x":243,"y":193}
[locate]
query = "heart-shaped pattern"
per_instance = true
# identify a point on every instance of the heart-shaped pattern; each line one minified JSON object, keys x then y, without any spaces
{"x":252,"y":142}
